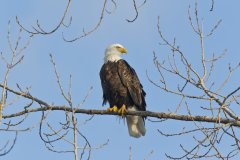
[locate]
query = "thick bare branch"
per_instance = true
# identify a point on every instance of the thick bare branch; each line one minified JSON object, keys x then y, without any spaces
{"x":160,"y":115}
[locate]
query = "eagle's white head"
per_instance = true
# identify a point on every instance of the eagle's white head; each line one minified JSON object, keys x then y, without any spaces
{"x":113,"y":52}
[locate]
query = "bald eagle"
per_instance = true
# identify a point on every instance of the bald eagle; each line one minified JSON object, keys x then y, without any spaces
{"x":122,"y":89}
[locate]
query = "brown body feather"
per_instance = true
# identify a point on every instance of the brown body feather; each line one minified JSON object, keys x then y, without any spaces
{"x":121,"y":85}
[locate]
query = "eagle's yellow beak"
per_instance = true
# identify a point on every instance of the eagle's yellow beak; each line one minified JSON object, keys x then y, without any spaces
{"x":123,"y":50}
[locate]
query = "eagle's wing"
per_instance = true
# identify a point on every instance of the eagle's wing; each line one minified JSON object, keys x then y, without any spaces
{"x":103,"y":82}
{"x":130,"y":80}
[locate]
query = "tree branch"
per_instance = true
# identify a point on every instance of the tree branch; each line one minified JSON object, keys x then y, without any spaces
{"x":159,"y":115}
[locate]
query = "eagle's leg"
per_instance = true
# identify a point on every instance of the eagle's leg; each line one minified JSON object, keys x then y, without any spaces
{"x":122,"y":111}
{"x":113,"y":109}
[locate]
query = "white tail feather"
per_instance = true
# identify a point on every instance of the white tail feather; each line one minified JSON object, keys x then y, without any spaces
{"x":136,"y":126}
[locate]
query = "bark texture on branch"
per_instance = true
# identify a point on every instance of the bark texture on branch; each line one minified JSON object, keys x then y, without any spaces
{"x":160,"y":115}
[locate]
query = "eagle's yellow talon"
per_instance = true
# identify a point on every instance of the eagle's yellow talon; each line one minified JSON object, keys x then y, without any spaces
{"x":113,"y":109}
{"x":122,"y":111}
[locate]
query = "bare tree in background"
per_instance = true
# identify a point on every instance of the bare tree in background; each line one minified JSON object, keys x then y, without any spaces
{"x":218,"y":120}
{"x":215,"y":103}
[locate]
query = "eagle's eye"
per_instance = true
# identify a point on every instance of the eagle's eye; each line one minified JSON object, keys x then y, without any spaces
{"x":118,"y":47}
